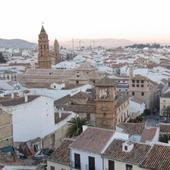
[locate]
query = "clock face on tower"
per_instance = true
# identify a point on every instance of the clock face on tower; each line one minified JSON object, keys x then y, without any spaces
{"x":104,"y":93}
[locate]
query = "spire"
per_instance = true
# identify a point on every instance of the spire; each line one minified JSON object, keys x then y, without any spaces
{"x":42,"y":30}
{"x":55,"y":41}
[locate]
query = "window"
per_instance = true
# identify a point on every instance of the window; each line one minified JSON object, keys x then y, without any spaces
{"x":91,"y":163}
{"x":111,"y":165}
{"x":133,"y":93}
{"x":142,"y":81}
{"x":77,"y":160}
{"x":126,"y":148}
{"x":129,"y":167}
{"x":137,"y":85}
{"x":52,"y":168}
{"x":142,"y":85}
{"x":137,"y":81}
{"x":56,"y":117}
{"x":77,"y":82}
{"x":142,"y":94}
{"x":133,"y":85}
{"x":133,"y":81}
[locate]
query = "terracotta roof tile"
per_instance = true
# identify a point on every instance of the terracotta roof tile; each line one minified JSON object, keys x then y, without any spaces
{"x":158,"y":158}
{"x":135,"y":156}
{"x":132,"y":128}
{"x":106,"y":81}
{"x":81,"y":108}
{"x":148,"y":134}
{"x":93,"y":139}
{"x":16,"y":100}
{"x":164,"y":128}
{"x":62,"y":153}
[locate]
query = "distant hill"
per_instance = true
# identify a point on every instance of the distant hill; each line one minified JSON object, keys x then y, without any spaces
{"x":16,"y":43}
{"x":107,"y":43}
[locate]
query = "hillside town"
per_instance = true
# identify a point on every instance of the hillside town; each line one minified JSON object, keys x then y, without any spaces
{"x":88,"y":108}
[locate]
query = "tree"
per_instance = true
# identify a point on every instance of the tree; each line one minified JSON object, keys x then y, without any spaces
{"x":146,"y":112}
{"x":2,"y":59}
{"x":76,"y":126}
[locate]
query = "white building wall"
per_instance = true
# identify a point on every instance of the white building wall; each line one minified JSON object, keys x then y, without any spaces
{"x":56,"y":166}
{"x":120,"y":165}
{"x":34,"y":119}
{"x":12,"y":167}
{"x":135,"y":108}
{"x":84,"y":159}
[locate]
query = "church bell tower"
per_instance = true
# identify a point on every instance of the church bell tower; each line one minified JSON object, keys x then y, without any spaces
{"x":106,"y":104}
{"x":44,"y":61}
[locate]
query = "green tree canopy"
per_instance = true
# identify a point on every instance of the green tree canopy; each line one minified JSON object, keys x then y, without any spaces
{"x":76,"y":126}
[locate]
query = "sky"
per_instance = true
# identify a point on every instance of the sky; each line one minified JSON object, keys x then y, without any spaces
{"x":136,"y":20}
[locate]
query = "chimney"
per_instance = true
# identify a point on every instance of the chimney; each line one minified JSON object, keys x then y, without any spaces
{"x":20,"y":93}
{"x":12,"y":95}
{"x":26,"y":98}
{"x":84,"y":127}
{"x":127,"y":146}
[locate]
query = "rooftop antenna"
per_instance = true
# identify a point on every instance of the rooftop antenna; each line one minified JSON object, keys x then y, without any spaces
{"x":93,"y":44}
{"x":72,"y":46}
{"x":79,"y":44}
{"x":42,"y":23}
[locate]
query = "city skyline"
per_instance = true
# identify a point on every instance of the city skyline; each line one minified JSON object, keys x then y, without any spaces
{"x":142,"y":21}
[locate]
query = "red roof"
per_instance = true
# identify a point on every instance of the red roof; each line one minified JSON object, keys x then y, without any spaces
{"x":93,"y":140}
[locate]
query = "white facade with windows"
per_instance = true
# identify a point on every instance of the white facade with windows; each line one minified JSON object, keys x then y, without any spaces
{"x":84,"y":159}
{"x":120,"y":165}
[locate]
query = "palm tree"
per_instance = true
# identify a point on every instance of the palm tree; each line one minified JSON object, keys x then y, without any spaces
{"x":76,"y":126}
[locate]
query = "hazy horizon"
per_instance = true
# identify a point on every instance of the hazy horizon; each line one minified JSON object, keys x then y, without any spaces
{"x":138,"y":21}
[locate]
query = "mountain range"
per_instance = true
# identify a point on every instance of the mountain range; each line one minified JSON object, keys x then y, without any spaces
{"x":107,"y":43}
{"x":16,"y":43}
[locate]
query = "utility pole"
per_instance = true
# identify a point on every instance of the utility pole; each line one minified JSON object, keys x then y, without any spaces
{"x":72,"y":47}
{"x":79,"y":44}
